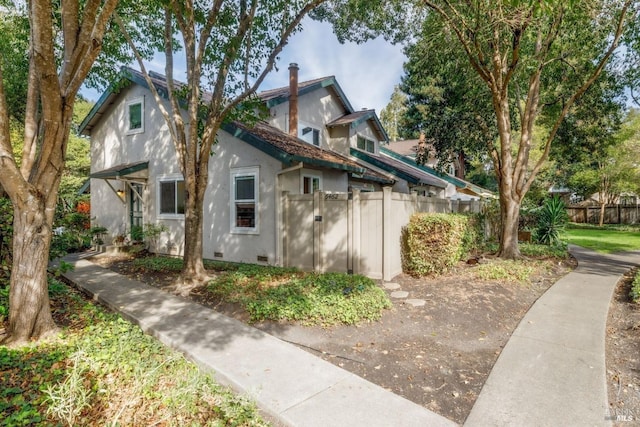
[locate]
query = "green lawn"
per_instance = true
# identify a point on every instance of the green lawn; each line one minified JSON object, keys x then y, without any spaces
{"x":605,"y":241}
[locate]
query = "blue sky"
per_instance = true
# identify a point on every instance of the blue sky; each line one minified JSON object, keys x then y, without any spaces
{"x":367,"y":73}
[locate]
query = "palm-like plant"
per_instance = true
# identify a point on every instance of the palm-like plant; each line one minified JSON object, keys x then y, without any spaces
{"x":552,"y":221}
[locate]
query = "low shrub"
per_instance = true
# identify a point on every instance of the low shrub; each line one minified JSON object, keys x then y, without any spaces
{"x":271,"y":293}
{"x":433,"y":243}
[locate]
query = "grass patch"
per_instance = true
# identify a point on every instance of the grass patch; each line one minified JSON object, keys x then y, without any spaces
{"x":605,"y":240}
{"x":271,"y":293}
{"x":534,"y":250}
{"x":102,"y":370}
{"x":519,"y":271}
{"x":635,"y":288}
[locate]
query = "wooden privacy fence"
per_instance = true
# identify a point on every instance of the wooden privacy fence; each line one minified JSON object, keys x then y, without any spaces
{"x":613,"y":214}
{"x":356,"y":232}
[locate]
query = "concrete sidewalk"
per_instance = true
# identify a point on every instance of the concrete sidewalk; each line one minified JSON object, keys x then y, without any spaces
{"x":552,"y":371}
{"x":289,"y":384}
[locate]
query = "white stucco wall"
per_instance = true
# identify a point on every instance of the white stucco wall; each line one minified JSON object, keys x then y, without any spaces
{"x":111,"y":146}
{"x":315,"y":109}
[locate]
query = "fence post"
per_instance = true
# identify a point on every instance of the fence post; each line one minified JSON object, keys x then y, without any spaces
{"x":355,"y":232}
{"x":318,"y":247}
{"x":283,"y":227}
{"x":387,"y":246}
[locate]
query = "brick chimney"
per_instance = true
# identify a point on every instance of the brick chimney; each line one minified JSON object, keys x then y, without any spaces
{"x":293,"y":99}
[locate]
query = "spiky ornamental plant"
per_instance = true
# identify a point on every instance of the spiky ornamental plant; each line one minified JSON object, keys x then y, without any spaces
{"x":551,"y":222}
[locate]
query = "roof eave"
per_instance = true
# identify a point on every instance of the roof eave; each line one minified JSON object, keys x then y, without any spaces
{"x":377,"y":163}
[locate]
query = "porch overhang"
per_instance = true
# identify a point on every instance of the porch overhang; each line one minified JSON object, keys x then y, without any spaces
{"x":137,"y":171}
{"x":128,"y":174}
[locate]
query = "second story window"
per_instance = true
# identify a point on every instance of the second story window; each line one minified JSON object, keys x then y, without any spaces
{"x":135,"y":116}
{"x":309,"y":134}
{"x":366,"y":144}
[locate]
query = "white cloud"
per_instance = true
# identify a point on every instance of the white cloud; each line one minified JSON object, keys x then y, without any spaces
{"x":367,"y":73}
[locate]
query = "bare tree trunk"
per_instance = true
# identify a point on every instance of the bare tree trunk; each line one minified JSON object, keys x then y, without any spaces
{"x":194,"y":273}
{"x":603,"y":204}
{"x":510,"y":217}
{"x":29,"y":310}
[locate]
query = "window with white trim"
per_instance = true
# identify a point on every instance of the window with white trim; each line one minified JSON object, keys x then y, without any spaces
{"x":171,"y":197}
{"x":366,"y":144}
{"x":311,"y":183}
{"x":244,"y":200}
{"x":135,"y":115}
{"x":309,"y":134}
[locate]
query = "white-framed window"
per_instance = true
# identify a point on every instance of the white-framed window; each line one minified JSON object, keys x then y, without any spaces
{"x":245,"y":185}
{"x":366,"y":144}
{"x":309,"y":134}
{"x":310,"y":184}
{"x":171,"y":196}
{"x":135,"y":115}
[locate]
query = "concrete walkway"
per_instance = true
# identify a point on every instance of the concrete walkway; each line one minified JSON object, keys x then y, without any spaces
{"x":291,"y":385}
{"x":550,"y":373}
{"x":552,"y":370}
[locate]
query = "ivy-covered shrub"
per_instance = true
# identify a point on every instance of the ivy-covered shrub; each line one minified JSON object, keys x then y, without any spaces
{"x":433,"y":243}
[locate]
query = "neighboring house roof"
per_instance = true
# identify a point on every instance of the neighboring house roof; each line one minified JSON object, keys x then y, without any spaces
{"x":353,"y":120}
{"x":462,"y":185}
{"x":399,"y":169}
{"x":407,"y":147}
{"x":290,"y":150}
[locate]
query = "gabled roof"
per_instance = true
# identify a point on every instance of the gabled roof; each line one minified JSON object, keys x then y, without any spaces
{"x":290,"y":150}
{"x":462,"y":185}
{"x":279,"y":95}
{"x":399,"y":169}
{"x":127,"y":76}
{"x":353,"y":120}
{"x":266,"y":138}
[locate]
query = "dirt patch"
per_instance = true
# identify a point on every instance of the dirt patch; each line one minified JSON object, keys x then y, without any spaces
{"x":435,"y":347}
{"x":623,"y":356}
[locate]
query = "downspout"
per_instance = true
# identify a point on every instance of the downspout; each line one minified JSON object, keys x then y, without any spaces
{"x":279,"y":212}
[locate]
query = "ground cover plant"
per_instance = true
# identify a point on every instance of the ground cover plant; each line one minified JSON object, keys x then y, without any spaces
{"x":437,"y":355}
{"x":605,"y":240}
{"x":275,"y":293}
{"x":102,"y":370}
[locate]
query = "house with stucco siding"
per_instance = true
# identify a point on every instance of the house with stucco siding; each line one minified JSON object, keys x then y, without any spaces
{"x":311,"y":140}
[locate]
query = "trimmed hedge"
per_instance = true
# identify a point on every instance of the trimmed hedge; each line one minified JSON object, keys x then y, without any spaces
{"x":433,"y":243}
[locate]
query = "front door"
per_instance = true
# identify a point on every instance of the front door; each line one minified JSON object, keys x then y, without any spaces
{"x":135,"y":211}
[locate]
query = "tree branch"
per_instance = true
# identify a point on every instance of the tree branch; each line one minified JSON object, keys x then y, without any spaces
{"x":581,"y":90}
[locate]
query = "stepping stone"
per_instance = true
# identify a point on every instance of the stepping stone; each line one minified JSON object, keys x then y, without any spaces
{"x":416,"y":302}
{"x":391,"y":286}
{"x":399,"y":294}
